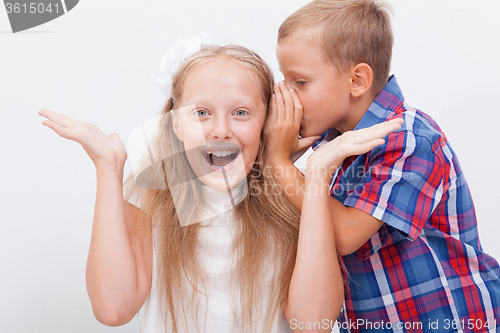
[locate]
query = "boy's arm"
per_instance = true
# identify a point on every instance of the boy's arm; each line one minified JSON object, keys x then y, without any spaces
{"x":353,"y":227}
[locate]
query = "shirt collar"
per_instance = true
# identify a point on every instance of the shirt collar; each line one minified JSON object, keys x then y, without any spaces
{"x":385,"y":106}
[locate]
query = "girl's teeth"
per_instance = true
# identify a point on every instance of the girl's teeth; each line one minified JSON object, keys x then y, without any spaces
{"x":221,"y":153}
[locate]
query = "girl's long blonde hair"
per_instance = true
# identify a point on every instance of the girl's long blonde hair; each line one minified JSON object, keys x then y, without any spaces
{"x":266,"y":222}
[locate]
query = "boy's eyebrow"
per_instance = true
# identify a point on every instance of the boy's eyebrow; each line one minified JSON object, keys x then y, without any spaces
{"x":293,"y":72}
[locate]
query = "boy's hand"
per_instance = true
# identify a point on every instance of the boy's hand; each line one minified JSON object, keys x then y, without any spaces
{"x":283,"y":125}
{"x":105,"y":151}
{"x":326,"y":159}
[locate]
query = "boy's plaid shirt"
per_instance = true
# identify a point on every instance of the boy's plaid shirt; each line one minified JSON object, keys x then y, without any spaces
{"x":424,"y":270}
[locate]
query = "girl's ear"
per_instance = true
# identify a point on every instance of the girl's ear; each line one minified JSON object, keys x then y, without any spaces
{"x":175,"y":124}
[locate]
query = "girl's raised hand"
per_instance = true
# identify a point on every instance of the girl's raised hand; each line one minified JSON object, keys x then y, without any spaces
{"x":326,"y":159}
{"x":105,"y":151}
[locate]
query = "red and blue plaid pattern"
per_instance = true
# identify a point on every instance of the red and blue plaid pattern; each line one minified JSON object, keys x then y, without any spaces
{"x":424,"y":270}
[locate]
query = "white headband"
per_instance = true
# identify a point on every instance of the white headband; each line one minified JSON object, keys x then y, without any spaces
{"x":183,"y":48}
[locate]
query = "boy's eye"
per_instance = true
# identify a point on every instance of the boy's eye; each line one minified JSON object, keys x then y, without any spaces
{"x":300,"y":83}
{"x":241,"y":113}
{"x":202,"y":113}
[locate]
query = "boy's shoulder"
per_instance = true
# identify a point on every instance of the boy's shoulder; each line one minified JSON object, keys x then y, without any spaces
{"x":419,"y":144}
{"x":418,"y":125}
{"x":419,"y":129}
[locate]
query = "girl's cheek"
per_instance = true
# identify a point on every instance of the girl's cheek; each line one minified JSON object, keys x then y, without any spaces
{"x":194,"y":136}
{"x":252,"y":130}
{"x":250,"y":137}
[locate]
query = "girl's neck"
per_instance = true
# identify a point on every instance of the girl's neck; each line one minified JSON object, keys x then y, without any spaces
{"x":221,"y":202}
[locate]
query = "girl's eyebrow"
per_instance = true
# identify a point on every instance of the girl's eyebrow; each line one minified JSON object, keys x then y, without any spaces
{"x":243,"y":101}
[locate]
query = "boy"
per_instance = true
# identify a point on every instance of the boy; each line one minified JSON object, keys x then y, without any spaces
{"x":403,"y":215}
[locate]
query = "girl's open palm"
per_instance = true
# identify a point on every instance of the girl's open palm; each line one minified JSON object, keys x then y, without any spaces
{"x":326,"y":159}
{"x":105,"y":151}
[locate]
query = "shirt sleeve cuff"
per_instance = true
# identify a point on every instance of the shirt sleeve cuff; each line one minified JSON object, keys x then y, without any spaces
{"x":380,"y":212}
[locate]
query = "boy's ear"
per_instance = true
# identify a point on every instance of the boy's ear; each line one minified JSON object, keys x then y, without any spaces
{"x":361,"y":79}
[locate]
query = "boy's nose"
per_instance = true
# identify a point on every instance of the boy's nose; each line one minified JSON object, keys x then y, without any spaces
{"x":220,"y":129}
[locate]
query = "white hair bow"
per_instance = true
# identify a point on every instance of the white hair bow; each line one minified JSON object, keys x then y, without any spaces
{"x":183,"y":48}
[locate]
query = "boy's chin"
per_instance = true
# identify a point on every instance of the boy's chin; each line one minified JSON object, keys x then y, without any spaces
{"x":304,"y":133}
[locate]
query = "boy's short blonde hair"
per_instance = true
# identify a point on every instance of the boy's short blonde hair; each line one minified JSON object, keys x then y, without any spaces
{"x":347,"y":32}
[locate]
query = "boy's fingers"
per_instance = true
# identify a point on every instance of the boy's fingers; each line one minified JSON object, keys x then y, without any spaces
{"x":273,"y":114}
{"x":308,"y":141}
{"x":280,"y":104}
{"x":58,"y":118}
{"x":288,"y":99}
{"x":297,"y":106}
{"x":304,"y":144}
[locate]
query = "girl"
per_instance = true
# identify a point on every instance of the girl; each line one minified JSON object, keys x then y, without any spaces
{"x":188,"y":261}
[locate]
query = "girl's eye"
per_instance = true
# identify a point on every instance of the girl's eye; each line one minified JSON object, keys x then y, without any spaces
{"x":301,"y":83}
{"x":202,"y":113}
{"x":241,"y":113}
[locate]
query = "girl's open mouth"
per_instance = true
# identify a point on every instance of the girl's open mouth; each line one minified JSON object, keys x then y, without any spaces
{"x":220,"y":158}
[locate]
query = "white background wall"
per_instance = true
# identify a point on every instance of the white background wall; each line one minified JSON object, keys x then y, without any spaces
{"x":94,"y":64}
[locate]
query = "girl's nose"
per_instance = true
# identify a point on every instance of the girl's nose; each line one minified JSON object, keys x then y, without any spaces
{"x":220,"y":128}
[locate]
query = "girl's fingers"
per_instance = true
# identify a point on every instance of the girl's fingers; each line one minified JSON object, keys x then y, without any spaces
{"x":58,"y":118}
{"x":357,"y":141}
{"x":60,"y":130}
{"x":367,"y":146}
{"x":378,"y":131}
{"x":115,"y":137}
{"x":354,"y":143}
